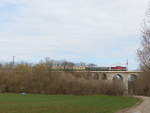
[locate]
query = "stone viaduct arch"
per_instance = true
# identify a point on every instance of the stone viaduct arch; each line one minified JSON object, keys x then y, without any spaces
{"x":125,"y":76}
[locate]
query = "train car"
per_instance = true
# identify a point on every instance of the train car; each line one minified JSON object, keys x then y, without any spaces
{"x":118,"y":68}
{"x":97,"y":68}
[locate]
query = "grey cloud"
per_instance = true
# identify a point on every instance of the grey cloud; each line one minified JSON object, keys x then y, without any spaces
{"x":77,"y":27}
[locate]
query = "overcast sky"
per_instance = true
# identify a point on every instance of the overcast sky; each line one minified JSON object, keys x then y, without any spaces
{"x":105,"y":32}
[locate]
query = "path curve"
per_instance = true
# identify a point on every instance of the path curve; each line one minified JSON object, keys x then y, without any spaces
{"x":144,"y":107}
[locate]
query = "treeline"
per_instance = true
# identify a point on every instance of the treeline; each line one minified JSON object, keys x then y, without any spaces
{"x":58,"y":65}
{"x":64,"y":63}
{"x":38,"y":78}
{"x":142,"y":85}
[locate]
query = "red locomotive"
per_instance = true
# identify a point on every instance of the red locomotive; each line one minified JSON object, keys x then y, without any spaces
{"x":119,"y":68}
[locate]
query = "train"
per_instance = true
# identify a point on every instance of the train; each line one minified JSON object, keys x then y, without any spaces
{"x":116,"y":68}
{"x":88,"y":68}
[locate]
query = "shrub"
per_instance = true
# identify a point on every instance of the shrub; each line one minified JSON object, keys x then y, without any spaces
{"x":40,"y":79}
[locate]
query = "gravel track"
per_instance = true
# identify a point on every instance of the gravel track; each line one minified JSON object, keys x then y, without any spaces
{"x":144,"y":107}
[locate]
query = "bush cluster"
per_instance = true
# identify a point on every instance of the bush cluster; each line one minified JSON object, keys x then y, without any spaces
{"x":39,"y":79}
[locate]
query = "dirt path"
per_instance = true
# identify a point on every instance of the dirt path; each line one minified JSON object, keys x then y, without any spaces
{"x":144,"y":107}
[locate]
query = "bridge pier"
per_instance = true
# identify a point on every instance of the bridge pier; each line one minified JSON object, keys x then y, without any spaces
{"x":123,"y":77}
{"x":125,"y":82}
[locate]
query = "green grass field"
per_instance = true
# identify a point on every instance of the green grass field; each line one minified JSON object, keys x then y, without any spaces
{"x":16,"y":103}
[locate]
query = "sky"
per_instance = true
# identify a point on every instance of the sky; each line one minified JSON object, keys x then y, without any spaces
{"x":104,"y":32}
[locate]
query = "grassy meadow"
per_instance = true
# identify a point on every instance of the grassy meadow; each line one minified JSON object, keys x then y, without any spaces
{"x":17,"y":103}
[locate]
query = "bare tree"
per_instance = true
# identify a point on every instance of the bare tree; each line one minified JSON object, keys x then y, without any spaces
{"x":91,"y":65}
{"x":144,"y":51}
{"x":82,"y":64}
{"x":67,"y":65}
{"x":141,"y":85}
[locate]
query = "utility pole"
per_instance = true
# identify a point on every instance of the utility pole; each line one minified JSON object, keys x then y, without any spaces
{"x":127,"y":64}
{"x":13,"y":62}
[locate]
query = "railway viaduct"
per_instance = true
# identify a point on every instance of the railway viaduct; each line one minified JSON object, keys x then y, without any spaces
{"x":124,"y":76}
